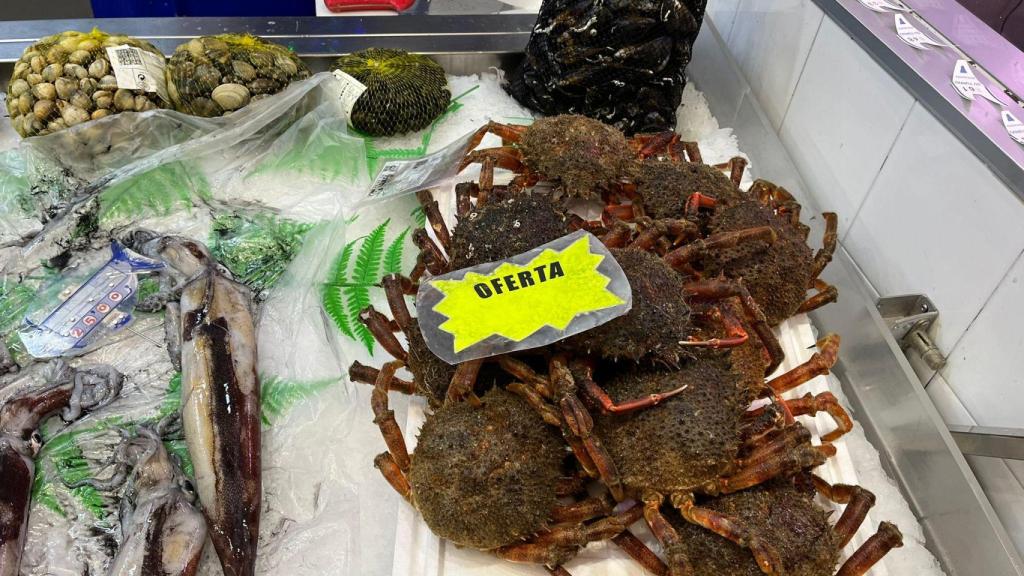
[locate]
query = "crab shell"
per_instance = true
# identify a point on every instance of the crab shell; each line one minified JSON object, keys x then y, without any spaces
{"x":780,"y":514}
{"x":485,"y":476}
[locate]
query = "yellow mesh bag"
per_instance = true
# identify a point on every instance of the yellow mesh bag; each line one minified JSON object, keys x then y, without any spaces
{"x":74,"y":77}
{"x":214,"y":75}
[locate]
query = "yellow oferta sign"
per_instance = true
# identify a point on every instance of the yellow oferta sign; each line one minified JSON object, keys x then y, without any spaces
{"x":534,"y":299}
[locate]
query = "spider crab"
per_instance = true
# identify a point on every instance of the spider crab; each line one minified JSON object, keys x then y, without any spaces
{"x":488,"y":473}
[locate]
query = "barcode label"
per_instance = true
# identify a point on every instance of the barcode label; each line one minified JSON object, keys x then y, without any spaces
{"x":384,"y":177}
{"x":128,"y":56}
{"x":351,"y":90}
{"x":137,"y":69}
{"x":399,"y":177}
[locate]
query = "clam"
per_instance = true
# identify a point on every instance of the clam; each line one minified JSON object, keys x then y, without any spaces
{"x":70,"y":43}
{"x":21,"y":69}
{"x":100,"y":113}
{"x":261,"y":59}
{"x":43,"y":109}
{"x":243,"y":70}
{"x":25,"y":103}
{"x":75,"y":71}
{"x":56,"y":124}
{"x":17,"y":88}
{"x":72,"y":114}
{"x":230,"y":96}
{"x":65,"y":87}
{"x":124,"y":100}
{"x":204,"y":107}
{"x":44,"y":91}
{"x":108,"y":82}
{"x":286,"y":65}
{"x":37,"y":63}
{"x":99,"y":68}
{"x":262,"y":86}
{"x":141,"y":103}
{"x":195,"y":47}
{"x":88,"y":85}
{"x":80,"y":57}
{"x":206,"y":75}
{"x":103,"y":99}
{"x":57,"y":54}
{"x":51,"y":72}
{"x":34,"y":79}
{"x":211,"y":43}
{"x":89,"y":45}
{"x":82,"y":100}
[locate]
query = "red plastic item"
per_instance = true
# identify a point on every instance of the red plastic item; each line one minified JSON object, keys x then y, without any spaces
{"x":353,"y":5}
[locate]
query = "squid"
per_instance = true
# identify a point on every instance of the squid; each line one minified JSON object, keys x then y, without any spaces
{"x":220,"y":394}
{"x":72,"y":393}
{"x":162,"y":532}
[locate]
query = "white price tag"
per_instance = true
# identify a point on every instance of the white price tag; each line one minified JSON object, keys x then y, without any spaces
{"x":407,"y":176}
{"x":351,"y":90}
{"x":136,"y":69}
{"x":879,"y":6}
{"x":911,"y":35}
{"x":1013,"y":126}
{"x":968,"y":85}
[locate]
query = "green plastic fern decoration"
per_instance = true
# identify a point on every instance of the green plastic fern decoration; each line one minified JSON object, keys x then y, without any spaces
{"x":393,"y":257}
{"x":159,"y":191}
{"x":419,"y":215}
{"x":278,"y":396}
{"x":331,"y":294}
{"x":257,"y":249}
{"x":365,"y":274}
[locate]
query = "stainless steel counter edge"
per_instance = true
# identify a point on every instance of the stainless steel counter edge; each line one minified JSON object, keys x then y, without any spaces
{"x":927,"y":75}
{"x":307,"y":36}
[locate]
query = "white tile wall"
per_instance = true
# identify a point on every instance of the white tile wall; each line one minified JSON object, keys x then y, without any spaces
{"x":986,"y":368}
{"x":723,"y":14}
{"x":842,"y":121}
{"x":937,"y":221}
{"x":771,"y":41}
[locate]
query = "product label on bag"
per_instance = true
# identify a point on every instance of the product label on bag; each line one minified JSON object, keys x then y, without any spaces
{"x":534,"y":299}
{"x":399,"y":177}
{"x":968,"y":85}
{"x":137,"y":69}
{"x":911,"y":35}
{"x":1013,"y":126}
{"x":351,"y":90}
{"x":879,"y":6}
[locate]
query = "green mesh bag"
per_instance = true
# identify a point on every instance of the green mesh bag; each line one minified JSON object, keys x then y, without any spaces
{"x":404,"y":92}
{"x":214,"y":75}
{"x":73,"y":77}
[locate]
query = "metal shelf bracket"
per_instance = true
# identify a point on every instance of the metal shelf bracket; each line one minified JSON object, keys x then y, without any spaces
{"x":909,"y":316}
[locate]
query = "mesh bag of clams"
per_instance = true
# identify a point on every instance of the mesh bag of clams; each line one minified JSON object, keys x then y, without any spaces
{"x":213,"y":75}
{"x":404,"y":92}
{"x":73,"y":77}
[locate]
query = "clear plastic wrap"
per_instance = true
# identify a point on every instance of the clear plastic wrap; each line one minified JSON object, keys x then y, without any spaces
{"x":215,"y":75}
{"x":73,"y":77}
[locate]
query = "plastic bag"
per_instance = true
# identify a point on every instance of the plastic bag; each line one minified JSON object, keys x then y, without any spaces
{"x":403,"y":92}
{"x":213,"y":75}
{"x":622,"y":63}
{"x":73,"y":77}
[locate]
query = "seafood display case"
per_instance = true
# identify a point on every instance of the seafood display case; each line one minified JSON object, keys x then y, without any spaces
{"x":916,"y":450}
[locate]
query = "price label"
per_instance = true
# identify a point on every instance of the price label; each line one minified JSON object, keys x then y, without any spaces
{"x":911,"y":35}
{"x":968,"y":85}
{"x":1013,"y":126}
{"x":351,"y":90}
{"x":399,"y":177}
{"x":137,"y":69}
{"x":879,"y":6}
{"x":534,"y":299}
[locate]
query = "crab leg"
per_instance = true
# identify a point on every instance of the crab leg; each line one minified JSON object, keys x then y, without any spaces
{"x":652,"y":144}
{"x":877,"y":546}
{"x":736,"y":167}
{"x":824,"y":402}
{"x":486,"y":181}
{"x":433,"y":214}
{"x":693,"y":152}
{"x":581,"y":511}
{"x":394,"y":475}
{"x":692,"y":250}
{"x":719,"y":288}
{"x":621,"y":211}
{"x":506,"y":157}
{"x":463,"y":192}
{"x":547,"y":412}
{"x":766,"y":556}
{"x":379,"y":325}
{"x":679,"y":564}
{"x":20,"y":417}
{"x":461,"y":386}
{"x":359,"y":372}
{"x":696,"y":201}
{"x":819,"y":364}
{"x":384,"y":417}
{"x":507,"y":133}
{"x":639,"y":551}
{"x":395,"y":290}
{"x":221,"y":414}
{"x":618,"y":236}
{"x":827,"y":293}
{"x":786,"y":440}
{"x":435,"y":261}
{"x":599,"y":398}
{"x":735,"y":334}
{"x":858,"y":500}
{"x":553,"y":547}
{"x":523,"y":372}
{"x":778,"y":464}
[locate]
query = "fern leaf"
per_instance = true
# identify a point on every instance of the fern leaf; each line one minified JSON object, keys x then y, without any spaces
{"x":365,"y":273}
{"x":278,"y":395}
{"x":43,"y":492}
{"x":419,"y":215}
{"x":159,"y":191}
{"x":393,"y":257}
{"x":180,"y":449}
{"x":72,"y":466}
{"x":332,"y":299}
